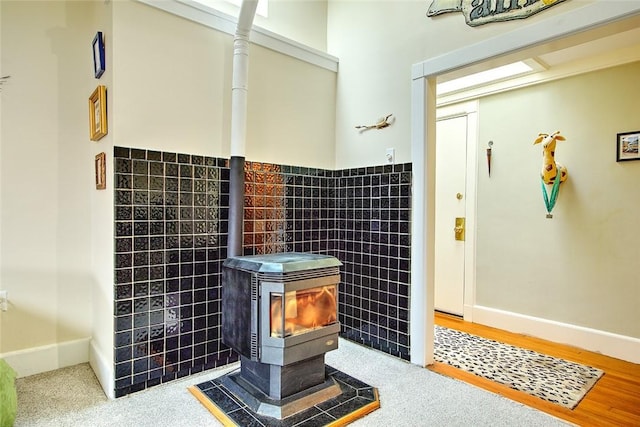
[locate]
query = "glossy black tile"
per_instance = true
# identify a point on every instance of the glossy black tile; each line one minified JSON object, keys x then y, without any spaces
{"x":176,"y":206}
{"x":137,"y":153}
{"x":154,"y":190}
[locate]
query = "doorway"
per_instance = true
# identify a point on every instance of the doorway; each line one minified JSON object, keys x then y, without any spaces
{"x":456,"y":142}
{"x":589,"y":22}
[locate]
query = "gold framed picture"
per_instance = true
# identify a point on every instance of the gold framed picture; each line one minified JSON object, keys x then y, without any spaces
{"x":101,"y":171}
{"x":98,"y":113}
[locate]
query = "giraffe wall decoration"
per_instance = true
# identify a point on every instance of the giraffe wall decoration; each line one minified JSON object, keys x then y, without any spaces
{"x":551,"y":169}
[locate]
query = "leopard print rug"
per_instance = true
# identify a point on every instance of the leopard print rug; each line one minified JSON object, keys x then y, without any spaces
{"x":555,"y":380}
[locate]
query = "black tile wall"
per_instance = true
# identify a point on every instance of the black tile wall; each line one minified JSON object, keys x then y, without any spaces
{"x":362,"y":217}
{"x":264,"y":209}
{"x":288,"y":208}
{"x":373,"y":241}
{"x":171,"y":219}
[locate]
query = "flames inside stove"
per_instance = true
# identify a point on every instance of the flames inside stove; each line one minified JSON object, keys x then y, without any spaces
{"x":297,"y":312}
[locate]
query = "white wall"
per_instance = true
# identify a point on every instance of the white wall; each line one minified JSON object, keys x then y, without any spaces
{"x":377,"y":42}
{"x":46,"y":178}
{"x":169,"y":76}
{"x":302,"y":21}
{"x":172,"y":79}
{"x":101,"y":207}
{"x":291,"y":113}
{"x":579,"y":267}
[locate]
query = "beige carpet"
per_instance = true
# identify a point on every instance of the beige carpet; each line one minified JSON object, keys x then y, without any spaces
{"x":409,"y":396}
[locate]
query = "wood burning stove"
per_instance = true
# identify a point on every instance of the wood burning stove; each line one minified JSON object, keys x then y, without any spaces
{"x":279,"y":312}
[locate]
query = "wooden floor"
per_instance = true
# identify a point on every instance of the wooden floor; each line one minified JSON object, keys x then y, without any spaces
{"x":613,"y":401}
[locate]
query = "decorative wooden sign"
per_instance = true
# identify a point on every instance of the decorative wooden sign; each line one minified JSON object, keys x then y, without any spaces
{"x":479,"y":12}
{"x":101,"y":171}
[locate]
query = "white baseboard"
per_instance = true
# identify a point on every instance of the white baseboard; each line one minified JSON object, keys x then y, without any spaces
{"x":609,"y":344}
{"x":48,"y":358}
{"x":103,"y":370}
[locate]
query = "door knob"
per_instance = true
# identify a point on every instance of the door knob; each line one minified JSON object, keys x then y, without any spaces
{"x":459,"y":196}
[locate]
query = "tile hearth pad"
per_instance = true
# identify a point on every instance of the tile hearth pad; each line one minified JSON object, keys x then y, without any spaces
{"x":356,"y":400}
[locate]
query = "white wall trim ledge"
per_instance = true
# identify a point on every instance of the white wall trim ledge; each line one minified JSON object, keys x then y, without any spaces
{"x":47,"y":358}
{"x":219,"y":21}
{"x":606,"y":343}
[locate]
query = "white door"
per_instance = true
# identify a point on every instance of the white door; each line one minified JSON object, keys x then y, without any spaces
{"x":451,"y":160}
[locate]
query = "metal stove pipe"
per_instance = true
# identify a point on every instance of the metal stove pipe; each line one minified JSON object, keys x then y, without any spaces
{"x":239,"y":125}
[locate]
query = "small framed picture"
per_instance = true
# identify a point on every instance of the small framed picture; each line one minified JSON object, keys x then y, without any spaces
{"x":101,"y":171}
{"x":98,"y":55}
{"x":98,"y":113}
{"x":627,"y":146}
